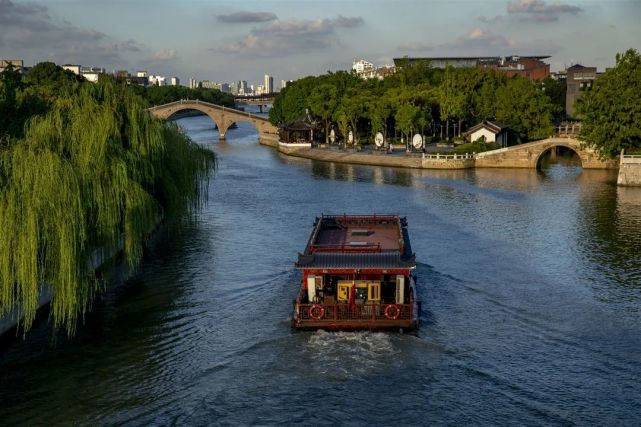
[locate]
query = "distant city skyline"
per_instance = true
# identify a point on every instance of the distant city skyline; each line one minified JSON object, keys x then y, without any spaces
{"x":231,"y":41}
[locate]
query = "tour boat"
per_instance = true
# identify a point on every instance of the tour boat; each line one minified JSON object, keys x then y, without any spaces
{"x":357,"y":274}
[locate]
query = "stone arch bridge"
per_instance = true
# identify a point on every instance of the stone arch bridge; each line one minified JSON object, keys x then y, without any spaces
{"x":224,"y":117}
{"x":529,"y":155}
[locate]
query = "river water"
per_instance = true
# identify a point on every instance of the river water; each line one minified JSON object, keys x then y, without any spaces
{"x":530,"y":283}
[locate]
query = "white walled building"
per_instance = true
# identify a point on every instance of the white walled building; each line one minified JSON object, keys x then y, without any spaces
{"x":142,"y":73}
{"x":157,"y":80}
{"x":91,"y":77}
{"x":361,"y":66}
{"x":91,"y":74}
{"x":175,"y":81}
{"x":73,"y":68}
{"x":489,"y":132}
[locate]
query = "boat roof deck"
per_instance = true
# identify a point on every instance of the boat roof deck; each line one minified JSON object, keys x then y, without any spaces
{"x":385,"y":235}
{"x":358,"y":231}
{"x":358,"y":241}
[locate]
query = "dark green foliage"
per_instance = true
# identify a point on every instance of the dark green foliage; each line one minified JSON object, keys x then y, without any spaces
{"x":49,"y":81}
{"x":556,"y":91}
{"x":525,"y":108}
{"x":611,"y":111}
{"x":418,"y":98}
{"x":10,"y":120}
{"x":93,"y":173}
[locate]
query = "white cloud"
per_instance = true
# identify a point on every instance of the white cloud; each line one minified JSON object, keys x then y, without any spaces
{"x":247,"y":17}
{"x":290,"y":36}
{"x":482,"y":42}
{"x":165,"y":55}
{"x":540,"y":11}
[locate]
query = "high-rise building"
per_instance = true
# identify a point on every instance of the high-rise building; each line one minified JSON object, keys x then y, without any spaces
{"x":242,"y":88}
{"x":208,"y":84}
{"x":193,"y":83}
{"x":283,"y":84}
{"x":175,"y":81}
{"x":268,"y":86}
{"x":142,"y":73}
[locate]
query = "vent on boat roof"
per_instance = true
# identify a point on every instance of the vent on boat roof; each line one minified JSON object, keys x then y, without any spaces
{"x":361,"y":232}
{"x":358,"y":243}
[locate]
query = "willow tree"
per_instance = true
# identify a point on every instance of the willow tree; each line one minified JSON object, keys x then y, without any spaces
{"x":92,"y":176}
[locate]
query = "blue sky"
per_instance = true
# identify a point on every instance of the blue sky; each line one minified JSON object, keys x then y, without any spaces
{"x":232,"y":40}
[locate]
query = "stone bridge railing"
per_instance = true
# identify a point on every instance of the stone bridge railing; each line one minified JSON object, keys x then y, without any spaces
{"x":568,"y":129}
{"x":222,"y":108}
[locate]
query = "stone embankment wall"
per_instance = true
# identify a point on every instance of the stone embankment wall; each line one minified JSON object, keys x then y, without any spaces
{"x":630,"y":171}
{"x":524,"y":156}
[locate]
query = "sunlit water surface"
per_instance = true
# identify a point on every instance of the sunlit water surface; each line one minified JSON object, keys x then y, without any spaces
{"x":530,"y":282}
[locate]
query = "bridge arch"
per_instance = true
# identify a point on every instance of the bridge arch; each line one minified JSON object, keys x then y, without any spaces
{"x":528,"y":155}
{"x":224,"y":117}
{"x":231,"y":123}
{"x":182,"y":110}
{"x":553,"y":149}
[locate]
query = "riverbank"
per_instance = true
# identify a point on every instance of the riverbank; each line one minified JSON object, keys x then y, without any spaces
{"x":524,"y":156}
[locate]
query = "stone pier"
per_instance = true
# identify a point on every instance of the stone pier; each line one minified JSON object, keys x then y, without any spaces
{"x":630,"y":170}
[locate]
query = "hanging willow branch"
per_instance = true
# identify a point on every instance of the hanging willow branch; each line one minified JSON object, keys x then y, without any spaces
{"x":94,"y":172}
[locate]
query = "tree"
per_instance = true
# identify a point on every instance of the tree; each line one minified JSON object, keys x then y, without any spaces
{"x":96,"y":171}
{"x":406,"y":117}
{"x":352,"y":107}
{"x":52,"y":81}
{"x":323,"y":102}
{"x":452,"y":98}
{"x":525,"y":108}
{"x":556,"y":90}
{"x":378,"y":111}
{"x":611,"y":111}
{"x":10,"y":81}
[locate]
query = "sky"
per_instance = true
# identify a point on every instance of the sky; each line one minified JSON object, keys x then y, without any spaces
{"x":227,"y":41}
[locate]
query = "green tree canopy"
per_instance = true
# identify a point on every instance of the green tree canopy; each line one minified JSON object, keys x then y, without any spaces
{"x":436,"y":96}
{"x":525,"y":108}
{"x":611,"y":111}
{"x":323,"y":102}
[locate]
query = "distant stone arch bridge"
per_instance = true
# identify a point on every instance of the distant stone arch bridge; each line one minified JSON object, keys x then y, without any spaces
{"x":224,"y":117}
{"x":529,"y":155}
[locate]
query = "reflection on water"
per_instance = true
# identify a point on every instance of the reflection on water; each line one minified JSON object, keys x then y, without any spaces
{"x":530,"y":282}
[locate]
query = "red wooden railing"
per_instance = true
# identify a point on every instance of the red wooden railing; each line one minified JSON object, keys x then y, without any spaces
{"x":370,"y":247}
{"x":364,"y":312}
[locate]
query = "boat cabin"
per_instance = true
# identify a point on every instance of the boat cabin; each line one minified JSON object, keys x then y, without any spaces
{"x":357,"y":273}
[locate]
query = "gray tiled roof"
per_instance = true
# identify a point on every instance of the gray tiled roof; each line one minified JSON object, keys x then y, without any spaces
{"x":355,"y":260}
